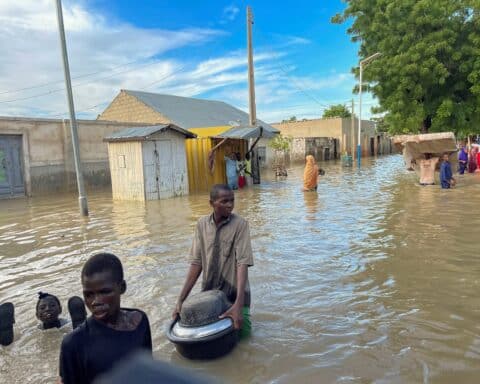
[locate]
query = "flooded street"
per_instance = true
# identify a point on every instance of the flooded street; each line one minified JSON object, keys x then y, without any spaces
{"x":373,"y":279}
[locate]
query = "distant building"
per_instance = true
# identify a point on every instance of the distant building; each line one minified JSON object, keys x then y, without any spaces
{"x":329,"y":138}
{"x":212,"y":121}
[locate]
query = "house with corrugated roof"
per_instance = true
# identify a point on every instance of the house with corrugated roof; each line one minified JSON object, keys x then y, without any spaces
{"x":220,"y":128}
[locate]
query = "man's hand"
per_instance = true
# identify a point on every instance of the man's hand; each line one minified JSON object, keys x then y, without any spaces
{"x":235,"y":313}
{"x":176,"y":311}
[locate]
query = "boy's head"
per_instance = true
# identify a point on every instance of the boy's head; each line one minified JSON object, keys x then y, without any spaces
{"x":445,"y":156}
{"x":247,"y":156}
{"x":222,"y":200}
{"x":48,"y":309}
{"x":103,"y":284}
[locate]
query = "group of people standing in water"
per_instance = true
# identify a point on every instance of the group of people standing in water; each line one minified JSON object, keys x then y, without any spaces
{"x":469,"y":160}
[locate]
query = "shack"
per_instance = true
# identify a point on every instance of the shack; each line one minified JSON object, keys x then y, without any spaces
{"x":148,"y":163}
{"x":220,"y":129}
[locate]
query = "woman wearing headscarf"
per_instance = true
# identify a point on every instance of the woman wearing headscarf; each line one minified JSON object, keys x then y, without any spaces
{"x":472,"y":160}
{"x":310,"y":174}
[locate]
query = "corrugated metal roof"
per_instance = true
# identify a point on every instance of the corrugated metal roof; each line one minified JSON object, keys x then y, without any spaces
{"x":189,"y":113}
{"x":246,"y":133}
{"x":142,"y":133}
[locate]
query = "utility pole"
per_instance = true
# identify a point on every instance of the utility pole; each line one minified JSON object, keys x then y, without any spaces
{"x":82,"y":198}
{"x":251,"y":99}
{"x":251,"y":78}
{"x":353,"y":130}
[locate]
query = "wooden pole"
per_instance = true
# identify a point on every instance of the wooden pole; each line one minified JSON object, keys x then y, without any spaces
{"x":353,"y":131}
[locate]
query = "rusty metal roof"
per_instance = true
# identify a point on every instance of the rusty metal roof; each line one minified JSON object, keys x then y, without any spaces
{"x":144,"y":133}
{"x":246,"y":133}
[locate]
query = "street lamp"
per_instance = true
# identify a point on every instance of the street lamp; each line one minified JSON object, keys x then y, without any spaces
{"x":363,"y":63}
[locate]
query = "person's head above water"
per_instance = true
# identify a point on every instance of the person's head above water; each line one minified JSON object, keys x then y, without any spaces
{"x":103,"y":284}
{"x":222,"y":200}
{"x":48,"y":309}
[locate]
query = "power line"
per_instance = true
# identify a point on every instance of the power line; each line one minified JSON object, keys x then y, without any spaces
{"x":78,"y":85}
{"x":76,"y":77}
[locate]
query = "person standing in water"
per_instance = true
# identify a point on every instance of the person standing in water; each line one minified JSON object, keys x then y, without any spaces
{"x":222,"y":252}
{"x":231,"y":170}
{"x":427,"y":169}
{"x":446,"y":176}
{"x":462,"y":160}
{"x":310,"y":174}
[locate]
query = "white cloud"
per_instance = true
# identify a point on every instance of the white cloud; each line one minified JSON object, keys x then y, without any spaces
{"x":31,"y":55}
{"x":123,"y":56}
{"x":229,"y":14}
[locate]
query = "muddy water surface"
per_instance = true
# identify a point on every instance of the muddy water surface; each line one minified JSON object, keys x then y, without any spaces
{"x":373,"y":279}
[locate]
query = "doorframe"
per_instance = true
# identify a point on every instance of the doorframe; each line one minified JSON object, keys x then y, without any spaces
{"x":27,"y":184}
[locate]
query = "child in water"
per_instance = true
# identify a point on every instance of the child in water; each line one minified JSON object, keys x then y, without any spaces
{"x":48,"y":311}
{"x":111,"y":333}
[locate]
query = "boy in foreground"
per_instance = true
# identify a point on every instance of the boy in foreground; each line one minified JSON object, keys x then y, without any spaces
{"x":222,"y":250}
{"x":111,"y":333}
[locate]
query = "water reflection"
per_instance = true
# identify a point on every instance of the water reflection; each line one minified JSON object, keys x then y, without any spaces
{"x":371,"y":279}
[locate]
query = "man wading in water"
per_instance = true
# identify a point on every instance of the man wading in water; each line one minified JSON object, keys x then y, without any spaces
{"x":222,"y":249}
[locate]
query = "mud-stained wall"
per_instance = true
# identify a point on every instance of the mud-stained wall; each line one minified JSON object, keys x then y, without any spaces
{"x":47,"y":152}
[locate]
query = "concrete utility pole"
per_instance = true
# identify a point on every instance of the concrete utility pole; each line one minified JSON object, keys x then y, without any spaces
{"x":353,"y":130}
{"x":251,"y":99}
{"x":363,"y":62}
{"x":251,"y":78}
{"x":82,"y":198}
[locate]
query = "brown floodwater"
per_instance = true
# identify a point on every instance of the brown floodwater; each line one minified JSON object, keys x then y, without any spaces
{"x":373,"y":279}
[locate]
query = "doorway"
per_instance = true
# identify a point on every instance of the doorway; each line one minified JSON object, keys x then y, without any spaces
{"x":11,"y":166}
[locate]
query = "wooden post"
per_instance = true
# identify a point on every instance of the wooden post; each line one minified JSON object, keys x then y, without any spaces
{"x":353,"y":130}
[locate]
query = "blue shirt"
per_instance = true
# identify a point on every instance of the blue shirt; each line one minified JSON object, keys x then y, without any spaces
{"x":445,"y":174}
{"x":463,"y":156}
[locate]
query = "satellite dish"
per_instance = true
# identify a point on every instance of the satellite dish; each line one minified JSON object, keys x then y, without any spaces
{"x":234,"y":123}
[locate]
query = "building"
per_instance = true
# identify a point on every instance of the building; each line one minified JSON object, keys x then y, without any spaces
{"x":220,"y":128}
{"x":329,"y":138}
{"x":148,"y":163}
{"x":36,"y":155}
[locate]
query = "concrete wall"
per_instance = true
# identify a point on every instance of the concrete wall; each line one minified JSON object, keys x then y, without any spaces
{"x":48,"y":152}
{"x":340,"y":129}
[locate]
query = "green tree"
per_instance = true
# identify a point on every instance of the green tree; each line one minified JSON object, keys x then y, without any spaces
{"x":280,"y":143}
{"x":338,"y":110}
{"x":428,"y":76}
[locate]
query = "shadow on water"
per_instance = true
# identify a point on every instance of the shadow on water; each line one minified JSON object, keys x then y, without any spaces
{"x":371,"y":279}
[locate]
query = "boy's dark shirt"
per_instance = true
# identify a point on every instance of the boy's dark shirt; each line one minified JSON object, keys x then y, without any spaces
{"x":93,"y":349}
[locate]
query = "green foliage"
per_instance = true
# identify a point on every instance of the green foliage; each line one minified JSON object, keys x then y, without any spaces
{"x":281,"y":143}
{"x":290,"y":120}
{"x":338,"y":110}
{"x":428,"y":76}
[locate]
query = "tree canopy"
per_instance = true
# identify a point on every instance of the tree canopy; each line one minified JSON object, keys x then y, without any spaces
{"x":338,"y":110}
{"x":428,"y":76}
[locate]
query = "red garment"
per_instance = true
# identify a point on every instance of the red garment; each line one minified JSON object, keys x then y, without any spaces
{"x":241,"y":181}
{"x":478,"y":160}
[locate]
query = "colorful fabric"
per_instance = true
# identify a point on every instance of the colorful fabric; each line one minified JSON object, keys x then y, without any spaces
{"x":472,"y":160}
{"x":310,"y":174}
{"x":246,"y":329}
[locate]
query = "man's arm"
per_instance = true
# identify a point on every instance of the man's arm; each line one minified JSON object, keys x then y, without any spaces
{"x":192,"y":276}
{"x":235,"y":311}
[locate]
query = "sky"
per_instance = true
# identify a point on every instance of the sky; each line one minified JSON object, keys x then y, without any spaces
{"x":187,"y":48}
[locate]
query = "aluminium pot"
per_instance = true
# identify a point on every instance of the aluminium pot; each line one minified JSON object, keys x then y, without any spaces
{"x":198,"y":333}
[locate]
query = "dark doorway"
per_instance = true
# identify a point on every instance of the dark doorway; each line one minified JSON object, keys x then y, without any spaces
{"x":372,"y":146}
{"x":11,"y":166}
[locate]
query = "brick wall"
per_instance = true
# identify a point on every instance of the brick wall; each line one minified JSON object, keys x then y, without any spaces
{"x":128,"y":109}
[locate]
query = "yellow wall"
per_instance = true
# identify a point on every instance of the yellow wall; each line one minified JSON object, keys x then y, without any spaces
{"x":209,"y":131}
{"x":200,"y":179}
